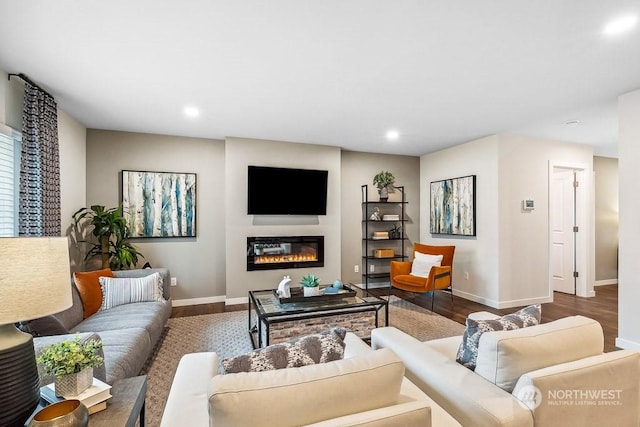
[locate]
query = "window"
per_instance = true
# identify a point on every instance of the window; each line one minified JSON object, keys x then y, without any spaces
{"x":10,"y":146}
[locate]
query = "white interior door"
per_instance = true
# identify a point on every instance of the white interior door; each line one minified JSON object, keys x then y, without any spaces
{"x":562,"y":222}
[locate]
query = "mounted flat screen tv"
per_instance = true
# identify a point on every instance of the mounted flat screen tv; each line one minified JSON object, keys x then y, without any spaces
{"x":283,"y":191}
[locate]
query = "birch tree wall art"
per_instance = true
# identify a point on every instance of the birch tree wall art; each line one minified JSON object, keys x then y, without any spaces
{"x":453,"y":206}
{"x":159,"y":204}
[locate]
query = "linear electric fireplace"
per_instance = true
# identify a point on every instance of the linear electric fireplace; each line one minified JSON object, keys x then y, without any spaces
{"x":275,"y":253}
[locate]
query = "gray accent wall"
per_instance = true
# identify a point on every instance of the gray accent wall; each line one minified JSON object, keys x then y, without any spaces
{"x":359,"y":169}
{"x":197,"y":263}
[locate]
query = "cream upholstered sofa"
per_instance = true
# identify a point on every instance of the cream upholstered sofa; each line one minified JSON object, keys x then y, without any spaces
{"x":366,"y":388}
{"x":553,"y":374}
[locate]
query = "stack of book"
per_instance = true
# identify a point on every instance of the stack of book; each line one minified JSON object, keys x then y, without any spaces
{"x":391,"y":217}
{"x":94,"y":398}
{"x":380,"y":235}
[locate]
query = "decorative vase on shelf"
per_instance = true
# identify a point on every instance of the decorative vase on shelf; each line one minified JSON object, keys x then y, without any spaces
{"x":74,"y":384}
{"x":384,"y":194}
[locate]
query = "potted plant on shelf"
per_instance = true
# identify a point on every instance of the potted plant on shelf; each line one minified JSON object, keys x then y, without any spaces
{"x":395,"y":231}
{"x":384,"y":180}
{"x":311,"y":285}
{"x":72,"y":363}
{"x":112,"y":232}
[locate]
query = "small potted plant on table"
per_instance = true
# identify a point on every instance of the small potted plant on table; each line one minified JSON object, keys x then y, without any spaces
{"x":72,"y":363}
{"x":311,"y":285}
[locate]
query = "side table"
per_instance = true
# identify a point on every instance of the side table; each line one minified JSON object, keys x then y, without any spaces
{"x":125,"y":406}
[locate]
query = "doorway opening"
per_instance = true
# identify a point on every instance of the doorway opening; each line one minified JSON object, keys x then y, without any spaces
{"x":567,"y":229}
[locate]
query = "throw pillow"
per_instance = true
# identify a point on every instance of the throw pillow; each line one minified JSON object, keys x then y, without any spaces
{"x":468,"y":350}
{"x":322,"y":347}
{"x":43,"y":327}
{"x":89,"y":289}
{"x":422,"y":264}
{"x":127,"y":290}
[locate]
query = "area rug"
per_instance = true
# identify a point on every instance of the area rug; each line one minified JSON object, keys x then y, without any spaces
{"x":227,"y":335}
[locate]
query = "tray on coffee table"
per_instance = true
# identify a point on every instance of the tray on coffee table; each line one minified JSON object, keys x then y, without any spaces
{"x":297,"y":294}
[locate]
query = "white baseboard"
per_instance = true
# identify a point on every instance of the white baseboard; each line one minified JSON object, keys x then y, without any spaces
{"x":236,"y":301}
{"x":501,"y":304}
{"x":196,"y":301}
{"x":627,"y":344}
{"x":605,"y":282}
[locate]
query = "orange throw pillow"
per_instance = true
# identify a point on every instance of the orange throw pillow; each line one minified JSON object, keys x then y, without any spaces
{"x":89,"y":289}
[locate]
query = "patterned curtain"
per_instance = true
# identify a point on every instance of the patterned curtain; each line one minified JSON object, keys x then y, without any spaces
{"x":39,"y":209}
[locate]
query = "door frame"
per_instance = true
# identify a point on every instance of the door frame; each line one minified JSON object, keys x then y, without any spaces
{"x":584,"y":216}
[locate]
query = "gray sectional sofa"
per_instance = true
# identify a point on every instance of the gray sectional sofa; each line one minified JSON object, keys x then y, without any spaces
{"x":129,"y":332}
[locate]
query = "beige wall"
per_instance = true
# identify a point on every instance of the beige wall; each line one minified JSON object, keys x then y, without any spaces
{"x":508,"y":259}
{"x":239,"y":154}
{"x":197,"y":263}
{"x":11,"y":97}
{"x":629,"y":231}
{"x":524,"y":236}
{"x":72,"y":137}
{"x":476,"y":255}
{"x":606,"y":217}
{"x":358,"y":169}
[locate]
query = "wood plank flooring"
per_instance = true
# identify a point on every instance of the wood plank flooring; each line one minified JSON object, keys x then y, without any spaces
{"x":603,"y":308}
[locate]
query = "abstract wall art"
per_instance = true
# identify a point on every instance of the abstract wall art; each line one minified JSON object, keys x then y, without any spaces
{"x":159,"y":204}
{"x":453,"y":206}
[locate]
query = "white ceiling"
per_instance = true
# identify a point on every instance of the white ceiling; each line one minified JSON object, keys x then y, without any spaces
{"x":333,"y":72}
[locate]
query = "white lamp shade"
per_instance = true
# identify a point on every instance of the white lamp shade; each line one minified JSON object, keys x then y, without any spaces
{"x":34,"y":277}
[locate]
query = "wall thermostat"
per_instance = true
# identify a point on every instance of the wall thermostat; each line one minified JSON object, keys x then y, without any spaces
{"x":528,"y":205}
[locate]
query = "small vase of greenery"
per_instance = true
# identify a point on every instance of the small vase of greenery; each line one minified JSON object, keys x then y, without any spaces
{"x":72,"y":363}
{"x":311,"y":285}
{"x":384,"y":180}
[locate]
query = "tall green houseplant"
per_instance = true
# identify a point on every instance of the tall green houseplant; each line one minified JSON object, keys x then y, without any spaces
{"x":112,"y":233}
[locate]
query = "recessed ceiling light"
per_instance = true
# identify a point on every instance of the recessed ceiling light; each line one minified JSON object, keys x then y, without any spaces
{"x":572,"y":123}
{"x":191,"y":111}
{"x":620,"y":25}
{"x":393,"y":135}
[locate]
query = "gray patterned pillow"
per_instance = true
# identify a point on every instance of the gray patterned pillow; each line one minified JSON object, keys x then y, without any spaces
{"x":322,"y":347}
{"x":468,"y":350}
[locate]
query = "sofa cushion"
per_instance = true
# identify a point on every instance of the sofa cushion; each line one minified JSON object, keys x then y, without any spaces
{"x":120,"y":291}
{"x":468,"y":350}
{"x":74,"y":314}
{"x":43,"y":327}
{"x":151,"y":316}
{"x":125,"y":352}
{"x":300,"y":396}
{"x":89,"y":289}
{"x":504,"y":356}
{"x":325,"y":346}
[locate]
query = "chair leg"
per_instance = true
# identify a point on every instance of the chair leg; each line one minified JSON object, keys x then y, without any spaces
{"x":433,"y":297}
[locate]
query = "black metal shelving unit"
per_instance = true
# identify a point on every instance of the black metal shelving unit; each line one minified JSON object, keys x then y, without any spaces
{"x":369,"y":226}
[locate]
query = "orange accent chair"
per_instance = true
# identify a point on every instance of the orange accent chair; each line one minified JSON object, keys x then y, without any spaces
{"x":439,"y":277}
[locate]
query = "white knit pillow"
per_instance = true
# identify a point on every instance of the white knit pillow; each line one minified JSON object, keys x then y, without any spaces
{"x":422,"y":263}
{"x":127,"y":290}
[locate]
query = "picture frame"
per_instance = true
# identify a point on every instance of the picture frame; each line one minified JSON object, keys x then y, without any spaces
{"x":453,"y":206}
{"x":159,"y":204}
